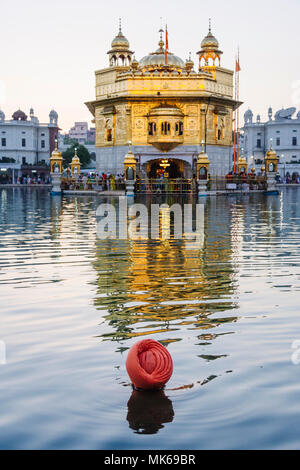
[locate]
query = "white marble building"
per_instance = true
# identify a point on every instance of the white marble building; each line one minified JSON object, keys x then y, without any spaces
{"x":25,"y":140}
{"x":283,"y":129}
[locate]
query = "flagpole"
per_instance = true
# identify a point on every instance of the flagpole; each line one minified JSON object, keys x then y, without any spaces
{"x":234,"y":127}
{"x":235,"y":120}
{"x":238,"y":111}
{"x":166,"y":46}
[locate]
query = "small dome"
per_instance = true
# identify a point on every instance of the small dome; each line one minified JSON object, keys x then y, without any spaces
{"x":75,"y":159}
{"x":209,"y":42}
{"x":56,"y":154}
{"x":53,"y":117}
{"x":248,"y":116}
{"x":157,"y":60}
{"x":53,"y":114}
{"x":19,"y":116}
{"x":120,"y":41}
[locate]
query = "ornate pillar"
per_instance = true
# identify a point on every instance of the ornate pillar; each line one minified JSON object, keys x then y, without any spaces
{"x":56,"y":168}
{"x":271,"y":164}
{"x":129,"y":172}
{"x":202,"y":172}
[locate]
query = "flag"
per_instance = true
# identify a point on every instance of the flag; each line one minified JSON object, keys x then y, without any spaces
{"x":237,"y":66}
{"x":166,"y":46}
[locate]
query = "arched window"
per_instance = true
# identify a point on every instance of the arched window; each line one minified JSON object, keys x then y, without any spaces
{"x":108,"y":129}
{"x":202,"y":173}
{"x":130,"y":173}
{"x":179,"y":128}
{"x":165,"y":128}
{"x":202,"y":62}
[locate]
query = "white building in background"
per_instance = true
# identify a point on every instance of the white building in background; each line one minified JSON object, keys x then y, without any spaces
{"x":26,"y":141}
{"x":81,"y":132}
{"x":283,"y":129}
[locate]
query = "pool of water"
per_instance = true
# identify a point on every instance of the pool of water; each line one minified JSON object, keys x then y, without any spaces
{"x":226,"y":307}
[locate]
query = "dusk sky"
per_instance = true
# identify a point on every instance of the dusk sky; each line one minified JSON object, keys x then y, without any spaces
{"x":50,"y":50}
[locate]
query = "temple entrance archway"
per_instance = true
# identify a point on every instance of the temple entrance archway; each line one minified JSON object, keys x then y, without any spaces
{"x":171,"y":168}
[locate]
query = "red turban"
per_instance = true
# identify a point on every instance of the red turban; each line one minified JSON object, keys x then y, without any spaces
{"x":149,"y":364}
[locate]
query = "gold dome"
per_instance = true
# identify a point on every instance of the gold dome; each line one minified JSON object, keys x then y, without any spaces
{"x":75,"y":159}
{"x":157,"y":59}
{"x":209,"y":42}
{"x":129,"y":157}
{"x":120,"y":41}
{"x":271,"y":152}
{"x":202,"y":157}
{"x":242,"y":160}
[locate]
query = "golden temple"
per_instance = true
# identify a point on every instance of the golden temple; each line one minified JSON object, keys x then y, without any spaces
{"x":165,"y":107}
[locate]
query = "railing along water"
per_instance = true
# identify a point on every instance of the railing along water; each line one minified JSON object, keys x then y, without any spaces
{"x":166,"y":186}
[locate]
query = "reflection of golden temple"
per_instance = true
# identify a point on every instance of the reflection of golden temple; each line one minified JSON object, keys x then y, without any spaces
{"x":167,"y":284}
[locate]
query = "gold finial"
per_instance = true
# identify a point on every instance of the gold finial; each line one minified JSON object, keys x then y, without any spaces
{"x":271,"y":144}
{"x":120,"y":25}
{"x":161,"y":42}
{"x":75,"y":152}
{"x":202,"y":146}
{"x":209,"y":25}
{"x":129,"y":146}
{"x":56,"y":144}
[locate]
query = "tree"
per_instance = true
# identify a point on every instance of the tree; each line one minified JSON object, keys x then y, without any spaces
{"x":82,"y":152}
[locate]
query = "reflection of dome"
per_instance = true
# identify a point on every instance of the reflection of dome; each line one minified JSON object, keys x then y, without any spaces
{"x":19,"y":116}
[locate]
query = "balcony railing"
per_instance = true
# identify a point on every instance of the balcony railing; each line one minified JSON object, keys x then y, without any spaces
{"x":166,"y":186}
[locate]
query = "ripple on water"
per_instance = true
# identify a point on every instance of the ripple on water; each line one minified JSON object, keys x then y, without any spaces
{"x":72,"y":305}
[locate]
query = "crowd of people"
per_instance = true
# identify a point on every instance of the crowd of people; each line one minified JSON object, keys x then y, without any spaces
{"x":94,"y":181}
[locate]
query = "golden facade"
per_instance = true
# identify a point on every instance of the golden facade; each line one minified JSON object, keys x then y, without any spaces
{"x":161,"y":103}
